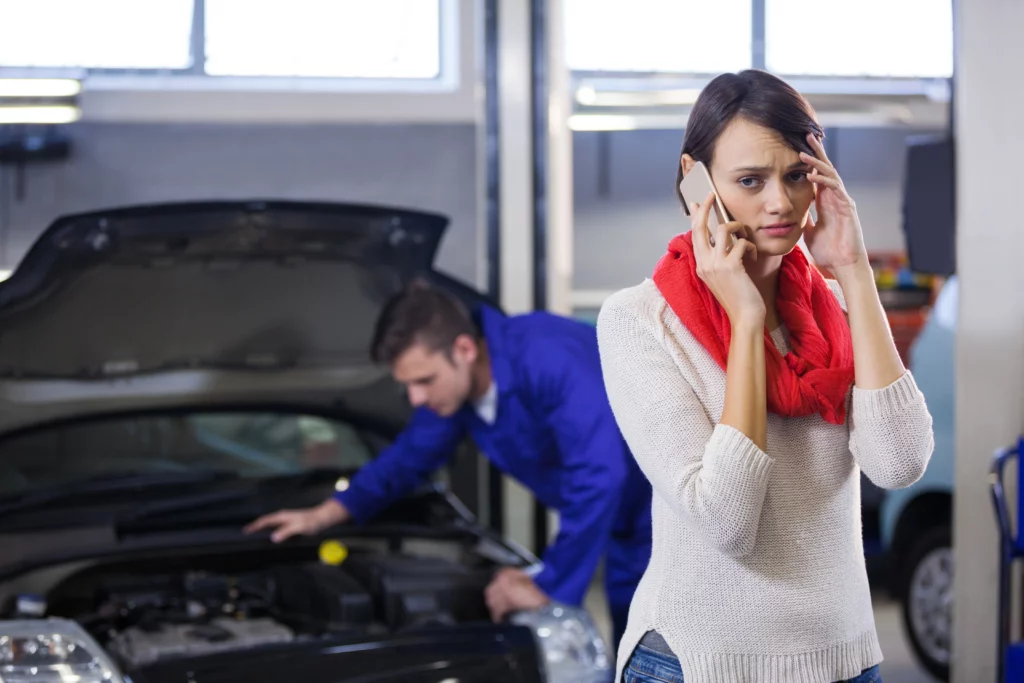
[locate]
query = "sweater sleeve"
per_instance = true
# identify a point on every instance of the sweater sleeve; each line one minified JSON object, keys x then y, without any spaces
{"x":712,"y":476}
{"x":891,"y":434}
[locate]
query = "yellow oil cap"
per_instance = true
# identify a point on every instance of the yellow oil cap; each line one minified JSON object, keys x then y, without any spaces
{"x":333,"y":552}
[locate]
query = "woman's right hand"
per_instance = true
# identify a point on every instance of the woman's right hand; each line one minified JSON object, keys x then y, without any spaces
{"x":721,"y":267}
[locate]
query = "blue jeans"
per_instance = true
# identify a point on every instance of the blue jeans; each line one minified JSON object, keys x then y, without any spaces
{"x":648,"y":666}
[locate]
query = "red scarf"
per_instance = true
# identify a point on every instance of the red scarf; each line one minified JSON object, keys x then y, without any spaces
{"x":812,"y":378}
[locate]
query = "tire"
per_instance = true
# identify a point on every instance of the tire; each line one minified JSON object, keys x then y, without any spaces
{"x":926,"y":599}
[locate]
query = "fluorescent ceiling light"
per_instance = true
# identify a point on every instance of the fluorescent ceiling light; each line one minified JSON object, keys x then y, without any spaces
{"x":589,"y":96}
{"x":586,"y":95}
{"x":592,"y":122}
{"x":40,"y":115}
{"x":39,"y":87}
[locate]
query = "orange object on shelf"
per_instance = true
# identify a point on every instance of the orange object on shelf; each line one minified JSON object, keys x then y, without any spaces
{"x":905,"y":326}
{"x":906,"y":296}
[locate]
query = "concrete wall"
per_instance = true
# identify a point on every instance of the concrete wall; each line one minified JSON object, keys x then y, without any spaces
{"x":990,"y":334}
{"x":426,"y":166}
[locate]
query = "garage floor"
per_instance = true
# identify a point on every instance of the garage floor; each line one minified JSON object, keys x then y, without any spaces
{"x":899,"y":665}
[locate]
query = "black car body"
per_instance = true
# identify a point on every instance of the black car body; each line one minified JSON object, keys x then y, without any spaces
{"x":168,"y":373}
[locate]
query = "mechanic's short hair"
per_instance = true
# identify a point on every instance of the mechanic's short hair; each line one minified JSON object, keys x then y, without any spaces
{"x":420,"y":314}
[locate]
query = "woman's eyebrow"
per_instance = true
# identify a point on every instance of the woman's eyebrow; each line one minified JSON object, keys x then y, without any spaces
{"x":761,"y":169}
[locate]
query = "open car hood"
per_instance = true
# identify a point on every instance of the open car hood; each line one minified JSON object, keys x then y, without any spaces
{"x":204,"y":302}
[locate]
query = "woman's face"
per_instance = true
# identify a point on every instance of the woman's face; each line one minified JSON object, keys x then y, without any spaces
{"x":762,"y":183}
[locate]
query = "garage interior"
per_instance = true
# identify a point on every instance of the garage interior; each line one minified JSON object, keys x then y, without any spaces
{"x":547,"y":132}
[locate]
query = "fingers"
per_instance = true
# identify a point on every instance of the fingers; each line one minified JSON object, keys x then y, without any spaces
{"x":286,"y":523}
{"x":742,"y":248}
{"x":820,"y":179}
{"x":722,"y":236}
{"x":290,"y":528}
{"x":699,"y":222}
{"x":495,"y":596}
{"x":818,"y":147}
{"x":822,"y":167}
{"x":265,"y":522}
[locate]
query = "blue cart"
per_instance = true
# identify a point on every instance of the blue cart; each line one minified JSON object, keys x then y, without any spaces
{"x":1011,"y":548}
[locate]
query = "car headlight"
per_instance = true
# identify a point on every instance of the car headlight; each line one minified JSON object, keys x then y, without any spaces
{"x":572,"y":649}
{"x":52,"y":651}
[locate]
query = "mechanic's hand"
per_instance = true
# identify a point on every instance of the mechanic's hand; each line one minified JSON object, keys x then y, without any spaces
{"x":305,"y":522}
{"x":721,"y":266}
{"x":513,"y":590}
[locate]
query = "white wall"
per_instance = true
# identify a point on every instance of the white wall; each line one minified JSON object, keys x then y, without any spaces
{"x":990,"y":334}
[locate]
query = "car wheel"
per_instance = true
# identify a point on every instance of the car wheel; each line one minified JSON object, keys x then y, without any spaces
{"x":927,"y":597}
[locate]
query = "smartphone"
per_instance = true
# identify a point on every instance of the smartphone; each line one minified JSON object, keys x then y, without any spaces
{"x":695,"y":187}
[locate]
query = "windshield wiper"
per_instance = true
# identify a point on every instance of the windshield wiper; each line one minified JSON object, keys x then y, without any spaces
{"x":207,"y":505}
{"x":111,"y":483}
{"x":185,"y":504}
{"x":304,"y":478}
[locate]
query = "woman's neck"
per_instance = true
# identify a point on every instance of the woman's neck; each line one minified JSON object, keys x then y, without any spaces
{"x":765,"y":274}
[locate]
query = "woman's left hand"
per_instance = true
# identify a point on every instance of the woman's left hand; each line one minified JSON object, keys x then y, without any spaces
{"x":835,"y":240}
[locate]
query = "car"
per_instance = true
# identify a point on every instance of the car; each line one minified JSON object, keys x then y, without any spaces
{"x":169,"y":372}
{"x":916,"y":522}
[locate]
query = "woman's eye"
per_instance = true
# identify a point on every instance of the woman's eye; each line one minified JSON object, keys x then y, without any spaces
{"x":749,"y":182}
{"x":798,"y":176}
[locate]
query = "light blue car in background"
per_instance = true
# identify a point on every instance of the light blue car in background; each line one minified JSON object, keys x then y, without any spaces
{"x":915,"y":523}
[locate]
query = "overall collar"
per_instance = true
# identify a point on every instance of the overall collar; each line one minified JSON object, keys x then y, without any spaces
{"x":492,"y":325}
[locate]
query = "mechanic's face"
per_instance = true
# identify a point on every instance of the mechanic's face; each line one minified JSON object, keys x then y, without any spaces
{"x":435,"y":380}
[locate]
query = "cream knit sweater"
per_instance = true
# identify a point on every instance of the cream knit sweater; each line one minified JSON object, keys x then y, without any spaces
{"x":757,"y":572}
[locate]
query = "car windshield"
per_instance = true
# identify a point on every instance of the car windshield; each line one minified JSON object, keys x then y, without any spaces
{"x":249,"y":444}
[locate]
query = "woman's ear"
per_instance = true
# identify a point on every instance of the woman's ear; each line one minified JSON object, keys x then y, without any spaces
{"x":687,"y":162}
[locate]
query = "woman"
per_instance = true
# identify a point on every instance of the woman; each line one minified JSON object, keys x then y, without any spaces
{"x":752,"y":392}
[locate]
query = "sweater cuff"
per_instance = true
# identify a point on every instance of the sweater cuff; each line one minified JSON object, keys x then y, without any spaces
{"x":730,"y":453}
{"x":872,"y":404}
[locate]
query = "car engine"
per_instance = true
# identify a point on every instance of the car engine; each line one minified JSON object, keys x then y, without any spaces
{"x":147,"y":614}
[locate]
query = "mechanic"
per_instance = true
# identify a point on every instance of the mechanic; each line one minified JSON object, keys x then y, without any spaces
{"x":528,"y":389}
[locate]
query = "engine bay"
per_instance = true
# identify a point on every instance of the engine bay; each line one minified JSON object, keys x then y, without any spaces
{"x":149,"y":611}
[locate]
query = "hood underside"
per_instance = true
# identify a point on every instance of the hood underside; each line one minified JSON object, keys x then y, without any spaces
{"x":198,"y":303}
{"x":224,"y":285}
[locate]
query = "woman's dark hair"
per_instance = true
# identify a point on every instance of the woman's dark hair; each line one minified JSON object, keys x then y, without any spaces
{"x":757,"y":96}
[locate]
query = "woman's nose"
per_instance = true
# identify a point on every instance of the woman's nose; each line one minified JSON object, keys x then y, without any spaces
{"x":778,"y":201}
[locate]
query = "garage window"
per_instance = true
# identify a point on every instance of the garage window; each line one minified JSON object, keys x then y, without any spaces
{"x":802,"y":38}
{"x":96,"y":34}
{"x":390,"y":41}
{"x":680,"y":36}
{"x":324,"y":38}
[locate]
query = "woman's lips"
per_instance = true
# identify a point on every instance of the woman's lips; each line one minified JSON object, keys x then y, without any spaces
{"x":779,"y":229}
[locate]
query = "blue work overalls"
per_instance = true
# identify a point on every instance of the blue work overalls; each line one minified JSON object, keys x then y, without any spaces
{"x":555,"y":433}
